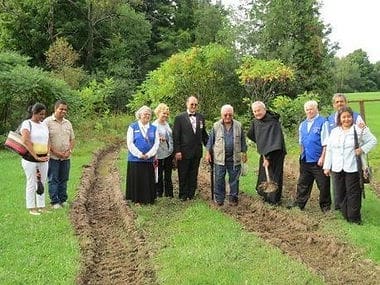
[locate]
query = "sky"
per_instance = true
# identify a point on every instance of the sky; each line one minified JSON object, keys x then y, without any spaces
{"x":354,"y":24}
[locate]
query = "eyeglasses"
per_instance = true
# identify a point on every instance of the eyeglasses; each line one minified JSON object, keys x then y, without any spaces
{"x":194,"y":104}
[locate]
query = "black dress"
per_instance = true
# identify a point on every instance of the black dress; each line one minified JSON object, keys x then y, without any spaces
{"x":140,"y":182}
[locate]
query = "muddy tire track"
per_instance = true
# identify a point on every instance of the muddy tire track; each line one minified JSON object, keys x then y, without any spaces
{"x":299,"y":235}
{"x":113,"y":251}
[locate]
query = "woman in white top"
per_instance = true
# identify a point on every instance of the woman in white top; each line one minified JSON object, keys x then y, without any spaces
{"x":341,"y":161}
{"x":164,"y":185}
{"x":35,"y":135}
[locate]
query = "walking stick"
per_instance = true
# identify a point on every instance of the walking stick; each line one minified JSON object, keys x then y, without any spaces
{"x":212,"y":176}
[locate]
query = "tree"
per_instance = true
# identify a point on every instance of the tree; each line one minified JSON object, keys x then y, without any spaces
{"x":22,"y":86}
{"x":207,"y":72}
{"x":367,"y":79}
{"x":62,"y":58}
{"x":291,"y":31}
{"x":346,"y":75}
{"x":262,"y":78}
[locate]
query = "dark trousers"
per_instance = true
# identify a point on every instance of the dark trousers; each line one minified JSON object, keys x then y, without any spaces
{"x":58,"y":175}
{"x":349,"y":192}
{"x":164,"y":186}
{"x":276,"y":172}
{"x":187,"y":176}
{"x":308,"y":173}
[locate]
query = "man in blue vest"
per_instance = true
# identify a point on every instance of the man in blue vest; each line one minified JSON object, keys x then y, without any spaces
{"x":313,"y":132}
{"x":339,"y":101}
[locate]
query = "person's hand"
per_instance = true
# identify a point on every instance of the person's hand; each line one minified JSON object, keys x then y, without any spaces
{"x":43,"y":158}
{"x":208,"y":157}
{"x":178,"y":156}
{"x":358,"y":151}
{"x":320,"y":161}
{"x":266,"y":162}
{"x":326,"y":172}
{"x":144,"y":156}
{"x":244,"y":157}
{"x":362,"y":125}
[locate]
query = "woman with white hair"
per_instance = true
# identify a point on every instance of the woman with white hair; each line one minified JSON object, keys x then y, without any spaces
{"x":142,"y":143}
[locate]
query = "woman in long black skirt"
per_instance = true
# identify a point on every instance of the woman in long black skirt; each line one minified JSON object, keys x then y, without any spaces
{"x":142,"y":143}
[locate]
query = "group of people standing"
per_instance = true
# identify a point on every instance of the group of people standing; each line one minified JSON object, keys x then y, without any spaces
{"x":50,"y":143}
{"x":155,"y":148}
{"x":327,"y":148}
{"x":331,"y":147}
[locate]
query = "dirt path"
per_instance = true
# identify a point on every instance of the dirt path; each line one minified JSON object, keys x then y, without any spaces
{"x":113,"y":252}
{"x":299,"y":235}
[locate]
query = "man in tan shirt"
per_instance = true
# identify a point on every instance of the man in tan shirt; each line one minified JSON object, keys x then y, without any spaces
{"x":62,"y":142}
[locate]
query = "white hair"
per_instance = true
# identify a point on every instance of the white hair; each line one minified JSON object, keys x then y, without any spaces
{"x":258,"y":104}
{"x":311,"y":104}
{"x":226,"y":107}
{"x":142,"y":110}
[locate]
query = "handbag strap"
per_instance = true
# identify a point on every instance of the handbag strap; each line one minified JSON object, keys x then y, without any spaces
{"x":356,"y":140}
{"x":359,"y":163}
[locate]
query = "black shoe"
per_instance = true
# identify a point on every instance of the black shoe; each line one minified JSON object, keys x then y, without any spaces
{"x":326,"y":210}
{"x":233,"y":201}
{"x":294,"y":205}
{"x":220,"y":203}
{"x":291,"y":205}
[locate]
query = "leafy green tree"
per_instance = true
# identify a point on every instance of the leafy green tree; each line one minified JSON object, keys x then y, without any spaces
{"x":263,"y":78}
{"x":179,"y":25}
{"x":291,"y":31}
{"x":376,"y":70}
{"x":346,"y":74}
{"x":24,"y":28}
{"x":62,"y":58}
{"x":366,"y":82}
{"x":22,"y":86}
{"x":207,"y":72}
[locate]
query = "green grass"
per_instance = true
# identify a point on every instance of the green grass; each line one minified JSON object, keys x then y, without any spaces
{"x":198,"y":245}
{"x":194,"y":244}
{"x":37,"y":249}
{"x":372,"y":116}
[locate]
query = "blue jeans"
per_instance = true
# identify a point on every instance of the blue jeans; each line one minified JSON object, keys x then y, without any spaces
{"x":58,"y":175}
{"x":220,"y":181}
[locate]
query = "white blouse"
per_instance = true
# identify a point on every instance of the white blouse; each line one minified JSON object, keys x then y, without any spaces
{"x":340,"y":149}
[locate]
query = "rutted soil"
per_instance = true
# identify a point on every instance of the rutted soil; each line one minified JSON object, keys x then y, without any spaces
{"x":114,"y":252}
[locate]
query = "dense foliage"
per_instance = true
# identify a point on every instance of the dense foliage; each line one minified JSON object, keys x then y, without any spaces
{"x":22,"y":86}
{"x":207,"y":72}
{"x":99,"y":54}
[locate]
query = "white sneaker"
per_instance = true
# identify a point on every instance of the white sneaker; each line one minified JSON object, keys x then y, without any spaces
{"x":64,"y":204}
{"x":34,"y":213}
{"x":56,"y":206}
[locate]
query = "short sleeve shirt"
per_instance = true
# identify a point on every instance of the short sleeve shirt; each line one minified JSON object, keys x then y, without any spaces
{"x":60,"y":134}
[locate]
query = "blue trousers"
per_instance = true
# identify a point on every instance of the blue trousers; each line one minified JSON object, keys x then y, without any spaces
{"x":58,"y":175}
{"x":220,"y":181}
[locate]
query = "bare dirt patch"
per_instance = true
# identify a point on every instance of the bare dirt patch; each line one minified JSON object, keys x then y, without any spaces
{"x":299,"y":235}
{"x":113,"y":251}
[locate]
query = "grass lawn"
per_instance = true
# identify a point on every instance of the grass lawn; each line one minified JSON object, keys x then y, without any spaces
{"x":44,"y":250}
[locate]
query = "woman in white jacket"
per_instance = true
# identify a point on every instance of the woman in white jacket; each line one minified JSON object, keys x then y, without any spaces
{"x":341,"y":161}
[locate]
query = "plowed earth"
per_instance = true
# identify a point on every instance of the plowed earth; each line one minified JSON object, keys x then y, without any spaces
{"x":115,"y":252}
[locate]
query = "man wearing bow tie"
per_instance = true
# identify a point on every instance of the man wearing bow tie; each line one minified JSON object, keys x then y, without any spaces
{"x":189,"y":133}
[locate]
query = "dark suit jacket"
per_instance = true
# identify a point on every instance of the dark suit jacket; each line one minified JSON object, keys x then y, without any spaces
{"x":185,"y":140}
